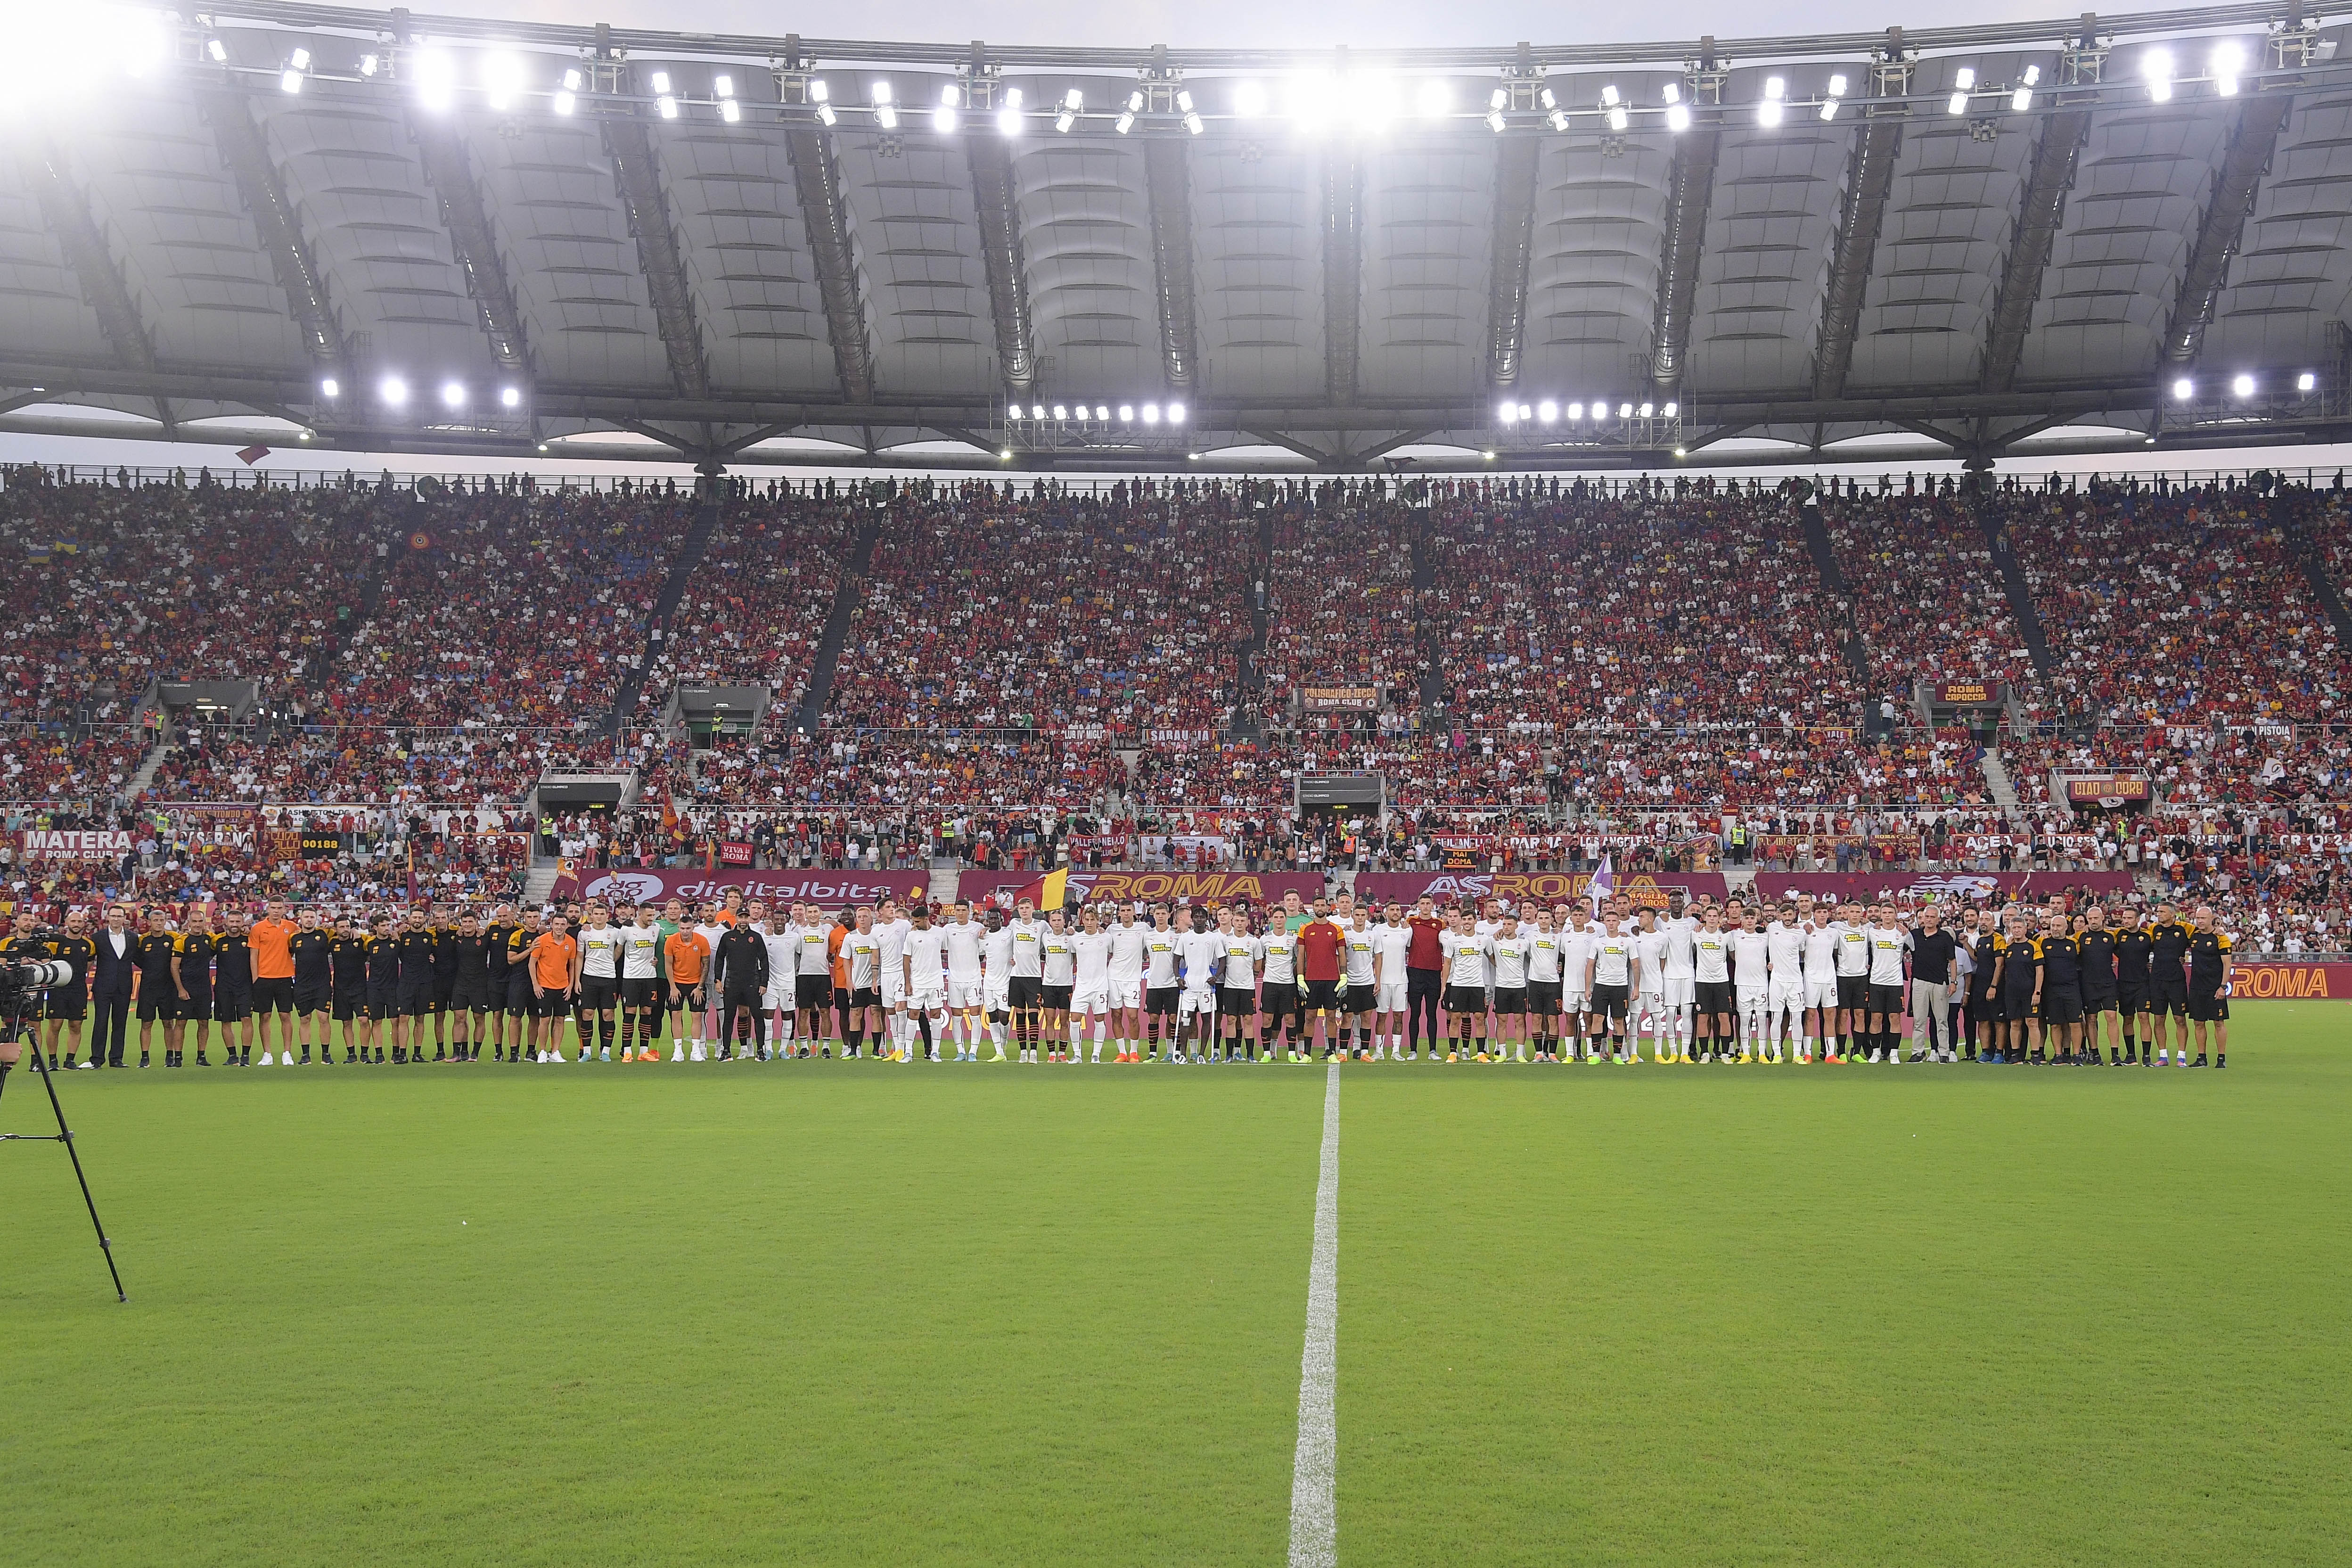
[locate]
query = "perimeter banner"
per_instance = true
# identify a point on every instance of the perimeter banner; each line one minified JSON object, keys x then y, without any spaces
{"x":2109,"y":790}
{"x":1152,"y":887}
{"x":1938,"y":887}
{"x":1543,"y":887}
{"x":2264,"y":982}
{"x":64,"y":841}
{"x":830,"y":889}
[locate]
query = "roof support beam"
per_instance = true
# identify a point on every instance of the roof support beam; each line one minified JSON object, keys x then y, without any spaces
{"x":1516,"y":161}
{"x":2261,"y":118}
{"x":628,"y":141}
{"x":247,"y":153}
{"x":826,"y":218}
{"x":1291,"y":444}
{"x":1168,"y":176}
{"x":2040,"y":211}
{"x":1379,"y":450}
{"x":1691,"y":189}
{"x":1869,"y":178}
{"x":450,"y":170}
{"x":66,"y":210}
{"x":1000,"y":246}
{"x":1343,"y":271}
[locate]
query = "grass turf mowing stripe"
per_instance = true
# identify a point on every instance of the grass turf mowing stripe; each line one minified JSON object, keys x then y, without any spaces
{"x":847,"y":1313}
{"x":1314,"y":1526}
{"x":1951,"y":1314}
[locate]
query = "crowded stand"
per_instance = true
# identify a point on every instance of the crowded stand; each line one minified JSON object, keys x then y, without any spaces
{"x":1926,"y":594}
{"x":754,"y":612}
{"x":356,"y":763}
{"x":982,"y":610}
{"x":61,"y":763}
{"x":1341,"y":611}
{"x":512,"y":609}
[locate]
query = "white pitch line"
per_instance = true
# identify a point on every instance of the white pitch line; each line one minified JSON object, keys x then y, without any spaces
{"x":1314,"y":1518}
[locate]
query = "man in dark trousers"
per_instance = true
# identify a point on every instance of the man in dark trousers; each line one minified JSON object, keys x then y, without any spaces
{"x":112,"y":969}
{"x":739,"y":971}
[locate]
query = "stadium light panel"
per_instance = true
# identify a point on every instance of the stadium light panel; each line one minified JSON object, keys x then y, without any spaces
{"x":730,"y":111}
{"x":1126,"y":413}
{"x":826,"y":114}
{"x":1072,"y":101}
{"x":1624,"y":411}
{"x":1547,"y":100}
{"x":1175,"y":414}
{"x":1768,"y":111}
{"x":1249,"y":100}
{"x":2155,"y":68}
{"x":1184,"y":103}
{"x":1525,"y":411}
{"x":289,"y":81}
{"x":1036,"y":411}
{"x":1151,"y":413}
{"x":217,"y":51}
{"x":2307,"y":382}
{"x":1618,"y":118}
{"x":1135,"y":102}
{"x":437,"y":79}
{"x":1677,"y":111}
{"x":509,"y":397}
{"x":1575,"y":412}
{"x":1962,"y":80}
{"x":393,"y":390}
{"x":1645,"y":411}
{"x":1547,"y":411}
{"x":1125,"y":123}
{"x":2183,"y":389}
{"x":1495,"y":121}
{"x":2229,"y":61}
{"x":1559,"y":120}
{"x":1192,"y":123}
{"x":667,"y":106}
{"x":886,"y":113}
{"x":453,"y":394}
{"x":503,"y":79}
{"x":1670,"y":409}
{"x":2244,"y":387}
{"x":1008,"y":117}
{"x":1061,"y":412}
{"x":1508,"y":414}
{"x":330,"y":387}
{"x":369,"y":64}
{"x":1434,"y":99}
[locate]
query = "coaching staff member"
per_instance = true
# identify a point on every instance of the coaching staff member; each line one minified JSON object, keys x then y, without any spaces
{"x":740,"y":966}
{"x":112,"y":969}
{"x":1424,"y":962}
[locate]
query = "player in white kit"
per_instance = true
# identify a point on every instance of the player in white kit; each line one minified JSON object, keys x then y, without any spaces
{"x":1751,"y":985}
{"x":1784,"y":1000}
{"x":1392,"y":946}
{"x":1650,"y":993}
{"x":1575,"y":963}
{"x":1358,"y":932}
{"x":1200,"y":948}
{"x":996,"y":951}
{"x":967,"y":979}
{"x":1711,"y":989}
{"x":1163,"y":983}
{"x":1090,"y":998}
{"x":926,"y":982}
{"x":1820,"y":980}
{"x":1678,"y":985}
{"x":1127,"y":938}
{"x":890,"y":929}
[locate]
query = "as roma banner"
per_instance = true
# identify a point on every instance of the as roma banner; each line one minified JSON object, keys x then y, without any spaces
{"x":60,"y":841}
{"x":2109,"y":790}
{"x":1254,"y":887}
{"x":1972,"y":693}
{"x":1339,"y":699}
{"x":1938,"y":887}
{"x":1544,"y":887}
{"x":2264,"y":982}
{"x":833,"y":890}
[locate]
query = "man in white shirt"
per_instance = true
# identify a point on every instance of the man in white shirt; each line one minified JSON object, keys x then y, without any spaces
{"x":1711,"y":959}
{"x":1163,"y":982}
{"x":1464,"y":954}
{"x":640,"y":986}
{"x":1026,"y":988}
{"x":1545,"y":947}
{"x":1202,"y":947}
{"x":1279,"y":1012}
{"x":1751,"y":966}
{"x":779,"y":1001}
{"x":1889,"y":944}
{"x":1508,"y":951}
{"x":1127,"y":938}
{"x":813,"y":979}
{"x":1820,"y":979}
{"x":1057,"y":979}
{"x":1650,"y":993}
{"x":890,"y":929}
{"x":1361,"y":993}
{"x":1238,"y":955}
{"x":1678,"y":986}
{"x":1575,"y":966}
{"x":862,"y":951}
{"x":1090,"y":995}
{"x":996,"y":951}
{"x":1784,"y":1000}
{"x":1392,"y":946}
{"x":924,"y":984}
{"x":963,"y":939}
{"x":1852,"y":940}
{"x":1611,"y":969}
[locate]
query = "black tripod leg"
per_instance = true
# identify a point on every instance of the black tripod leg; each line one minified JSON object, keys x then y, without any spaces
{"x":65,"y":1136}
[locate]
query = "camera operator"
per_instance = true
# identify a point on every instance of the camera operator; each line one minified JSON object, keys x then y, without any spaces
{"x":24,"y":944}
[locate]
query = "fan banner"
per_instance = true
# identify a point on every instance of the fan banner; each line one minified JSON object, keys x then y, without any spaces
{"x":1972,"y":693}
{"x":2262,"y":980}
{"x":2106,"y":787}
{"x":1254,"y":887}
{"x":1383,"y":888}
{"x":834,"y":889}
{"x":1938,"y":887}
{"x":59,"y":841}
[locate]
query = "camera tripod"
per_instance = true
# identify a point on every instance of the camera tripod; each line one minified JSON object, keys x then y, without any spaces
{"x":16,"y":1028}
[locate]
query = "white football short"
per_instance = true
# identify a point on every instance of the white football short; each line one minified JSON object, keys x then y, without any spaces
{"x":1751,"y":1000}
{"x":965,"y":992}
{"x":1820,"y":991}
{"x":1196,"y":999}
{"x":1787,"y":996}
{"x":996,"y":994}
{"x":1126,"y":994}
{"x":1091,"y":999}
{"x":1681,"y":990}
{"x":926,"y":998}
{"x":1390,"y":998}
{"x":1575,"y":1001}
{"x":894,"y":989}
{"x":774,"y":1001}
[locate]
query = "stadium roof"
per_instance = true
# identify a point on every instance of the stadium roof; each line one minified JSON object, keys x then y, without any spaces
{"x":491,"y":238}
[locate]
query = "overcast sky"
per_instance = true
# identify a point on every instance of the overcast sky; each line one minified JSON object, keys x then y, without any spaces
{"x":1242,"y":24}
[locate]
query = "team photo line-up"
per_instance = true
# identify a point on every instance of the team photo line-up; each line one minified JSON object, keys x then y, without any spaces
{"x":1731,"y":983}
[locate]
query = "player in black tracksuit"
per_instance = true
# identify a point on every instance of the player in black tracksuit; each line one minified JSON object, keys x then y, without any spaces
{"x":2168,"y":973}
{"x":347,"y":954}
{"x":739,"y":970}
{"x":2095,"y":944}
{"x":2132,"y":951}
{"x":312,"y":952}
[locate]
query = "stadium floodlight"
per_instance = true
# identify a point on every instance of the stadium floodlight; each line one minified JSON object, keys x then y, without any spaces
{"x":1126,"y":413}
{"x":1575,"y":412}
{"x":289,"y":81}
{"x":393,"y":390}
{"x":664,"y":100}
{"x":1072,"y":101}
{"x":2183,"y":389}
{"x":1677,"y":111}
{"x":1559,"y":120}
{"x":2244,"y":387}
{"x":2307,"y":382}
{"x":1963,"y":80}
{"x":1036,"y":411}
{"x":1508,"y":413}
{"x":370,"y":65}
{"x":1645,"y":411}
{"x":1151,"y":413}
{"x":1767,"y":112}
{"x":501,"y":79}
{"x":1249,"y":100}
{"x":944,"y":118}
{"x":1175,"y":414}
{"x":1135,"y":102}
{"x":453,"y":394}
{"x":2229,"y":61}
{"x":1495,"y":121}
{"x":509,"y":397}
{"x":1125,"y":123}
{"x":728,"y":110}
{"x":2156,"y":68}
{"x":1101,"y":412}
{"x":1670,"y":409}
{"x":1526,"y":413}
{"x":1547,"y":411}
{"x":1184,"y":101}
{"x":1612,"y":104}
{"x":330,"y":387}
{"x":1008,"y":117}
{"x":1835,"y":99}
{"x":724,"y":85}
{"x":886,"y":113}
{"x":437,"y":79}
{"x":1546,"y":99}
{"x":1192,"y":123}
{"x":822,"y":96}
{"x":567,"y":97}
{"x":217,"y":51}
{"x":1061,"y":412}
{"x":1624,"y":411}
{"x":1433,"y":100}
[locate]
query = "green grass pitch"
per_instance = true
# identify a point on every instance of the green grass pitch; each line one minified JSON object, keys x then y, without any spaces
{"x":825,"y":1313}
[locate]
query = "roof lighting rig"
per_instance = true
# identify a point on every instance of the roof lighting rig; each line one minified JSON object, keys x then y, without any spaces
{"x":1031,"y":423}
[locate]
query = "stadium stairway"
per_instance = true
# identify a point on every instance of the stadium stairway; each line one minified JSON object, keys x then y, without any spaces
{"x":538,"y":882}
{"x":1433,"y":679}
{"x":2012,"y":582}
{"x":1997,"y":780}
{"x":1244,"y":725}
{"x":837,"y":624}
{"x":2285,"y":518}
{"x":1817,"y":544}
{"x":690,"y":552}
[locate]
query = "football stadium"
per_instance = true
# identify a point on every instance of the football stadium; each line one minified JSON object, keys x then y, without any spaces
{"x":1785,"y":574}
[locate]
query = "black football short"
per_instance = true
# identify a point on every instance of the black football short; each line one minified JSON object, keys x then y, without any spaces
{"x":2131,"y":996}
{"x":2102,"y":1002}
{"x":348,"y":1004}
{"x":1608,"y":1004}
{"x":471,"y":994}
{"x":305,"y":996}
{"x":1053,"y":998}
{"x":233,"y":1003}
{"x":1160,"y":1001}
{"x":644,"y":992}
{"x":1362,"y":998}
{"x":598,"y":992}
{"x":1543,"y":998}
{"x":1885,"y":1001}
{"x":1853,"y":992}
{"x":1511,"y":1001}
{"x":2062,"y":1004}
{"x":1021,"y":992}
{"x":1279,"y":999}
{"x":68,"y":1003}
{"x":1235,"y":1003}
{"x":278,"y":994}
{"x":1466,"y":999}
{"x":414,"y":998}
{"x":383,"y":1000}
{"x":1320,"y":996}
{"x":1712,"y":998}
{"x":1985,"y":1007}
{"x":2168,"y":996}
{"x":2207,"y":1005}
{"x":554,"y":1004}
{"x":196,"y":1007}
{"x":517,"y":994}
